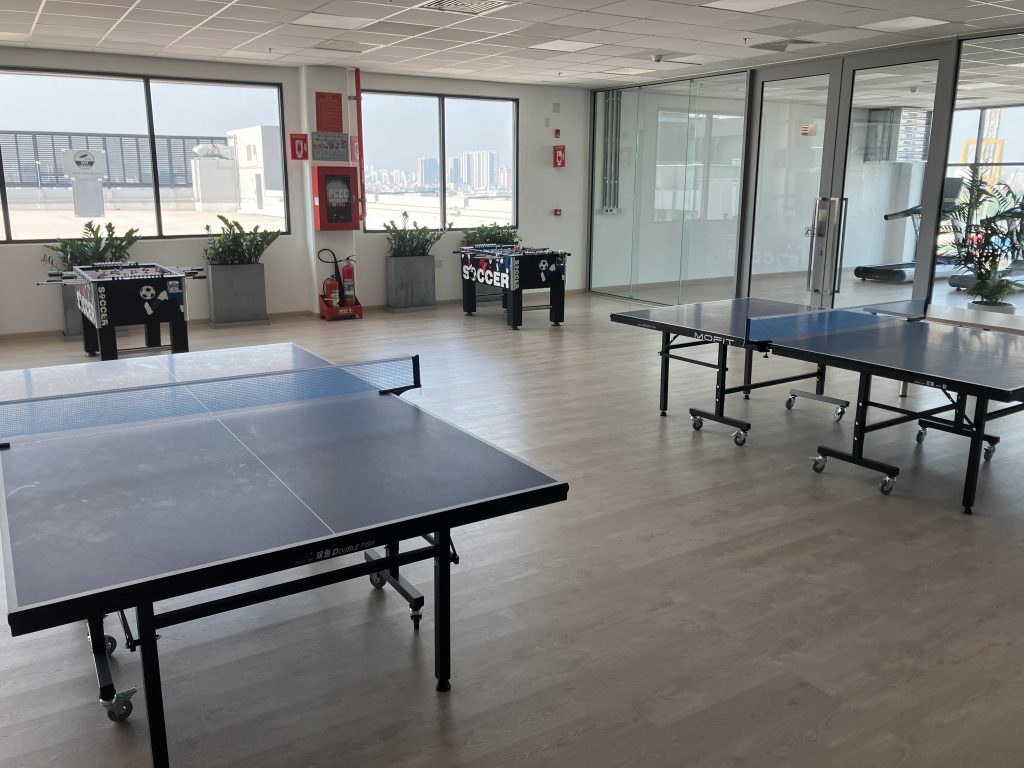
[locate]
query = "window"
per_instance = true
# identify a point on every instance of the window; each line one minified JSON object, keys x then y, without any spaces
{"x":402,"y":139}
{"x":224,"y":156}
{"x":480,"y":160}
{"x":46,"y":116}
{"x":218,"y":150}
{"x":476,"y":183}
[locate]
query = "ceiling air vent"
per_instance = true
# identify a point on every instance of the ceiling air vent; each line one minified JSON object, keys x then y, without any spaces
{"x":469,"y":7}
{"x":782,"y":46}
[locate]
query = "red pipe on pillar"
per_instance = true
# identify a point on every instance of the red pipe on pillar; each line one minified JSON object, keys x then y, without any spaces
{"x":362,"y":148}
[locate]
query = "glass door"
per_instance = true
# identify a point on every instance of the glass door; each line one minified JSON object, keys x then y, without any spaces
{"x":791,"y":213}
{"x":882,"y":177}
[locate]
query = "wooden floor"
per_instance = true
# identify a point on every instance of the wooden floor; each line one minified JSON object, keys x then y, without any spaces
{"x":692,"y":604}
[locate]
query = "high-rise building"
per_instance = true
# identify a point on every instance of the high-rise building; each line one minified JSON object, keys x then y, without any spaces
{"x":454,"y":174}
{"x":427,"y":171}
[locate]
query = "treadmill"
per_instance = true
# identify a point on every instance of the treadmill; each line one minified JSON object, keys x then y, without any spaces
{"x":904,"y":272}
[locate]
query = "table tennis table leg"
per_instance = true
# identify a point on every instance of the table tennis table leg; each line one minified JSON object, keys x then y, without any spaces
{"x":748,"y":366}
{"x":152,"y":686}
{"x":974,"y":457}
{"x":442,"y":610}
{"x":666,"y":344}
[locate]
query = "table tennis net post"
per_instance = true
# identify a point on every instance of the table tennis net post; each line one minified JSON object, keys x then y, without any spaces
{"x":121,"y":407}
{"x":802,"y":325}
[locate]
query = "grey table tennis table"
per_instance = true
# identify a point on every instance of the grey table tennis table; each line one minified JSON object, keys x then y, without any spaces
{"x":130,"y":482}
{"x":873,"y":342}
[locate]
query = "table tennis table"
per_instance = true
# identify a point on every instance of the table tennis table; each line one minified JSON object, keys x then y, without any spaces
{"x":130,"y":482}
{"x":870,"y":341}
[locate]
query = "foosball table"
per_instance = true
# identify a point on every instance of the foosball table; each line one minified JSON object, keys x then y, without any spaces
{"x":116,"y":294}
{"x":508,"y":271}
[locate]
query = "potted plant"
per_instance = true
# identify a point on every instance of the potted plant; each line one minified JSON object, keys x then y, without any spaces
{"x":491,"y":234}
{"x":409,"y":265}
{"x":234,"y":274}
{"x":983,"y":240}
{"x":97,"y":245}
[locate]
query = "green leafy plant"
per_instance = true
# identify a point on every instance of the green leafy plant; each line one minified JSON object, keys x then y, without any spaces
{"x":982,"y":235}
{"x":233,"y":245}
{"x":491,"y":234}
{"x":411,"y":241}
{"x":96,"y":245}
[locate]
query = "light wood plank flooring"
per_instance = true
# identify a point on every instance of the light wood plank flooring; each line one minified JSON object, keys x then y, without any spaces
{"x":692,"y":604}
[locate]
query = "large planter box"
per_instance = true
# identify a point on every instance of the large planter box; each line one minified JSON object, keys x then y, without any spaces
{"x":410,"y":282}
{"x":72,"y":315}
{"x":238,"y":294}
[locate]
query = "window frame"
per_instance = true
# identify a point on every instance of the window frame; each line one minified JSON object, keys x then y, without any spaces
{"x":146,"y":80}
{"x":443,"y":161}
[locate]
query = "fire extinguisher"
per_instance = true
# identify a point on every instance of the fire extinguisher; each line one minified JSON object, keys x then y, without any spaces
{"x":331,"y":286}
{"x":348,"y":281}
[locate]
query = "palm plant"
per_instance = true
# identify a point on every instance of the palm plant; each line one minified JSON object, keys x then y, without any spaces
{"x":982,"y":235}
{"x":491,"y":234}
{"x":96,"y":246}
{"x":233,"y":245}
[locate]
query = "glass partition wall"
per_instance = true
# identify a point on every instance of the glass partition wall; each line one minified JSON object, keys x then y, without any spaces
{"x":667,"y":178}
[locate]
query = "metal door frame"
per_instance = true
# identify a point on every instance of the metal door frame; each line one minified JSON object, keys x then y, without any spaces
{"x":758,"y":78}
{"x":838,"y":112}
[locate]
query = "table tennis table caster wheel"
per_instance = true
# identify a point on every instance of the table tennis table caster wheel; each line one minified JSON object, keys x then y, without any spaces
{"x":886,"y":486}
{"x":990,"y":451}
{"x":739,"y":437}
{"x":790,"y":402}
{"x":697,"y":423}
{"x":377,"y":580}
{"x":416,"y":616}
{"x":818,"y":464}
{"x":120,"y":707}
{"x":838,"y":415}
{"x":922,"y":433}
{"x":110,"y":643}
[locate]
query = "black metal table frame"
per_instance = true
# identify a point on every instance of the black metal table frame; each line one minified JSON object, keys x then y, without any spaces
{"x":143,"y":596}
{"x":930,"y":418}
{"x":697,"y":416}
{"x":103,"y":341}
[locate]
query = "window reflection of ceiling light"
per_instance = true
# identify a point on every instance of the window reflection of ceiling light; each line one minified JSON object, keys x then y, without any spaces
{"x":570,"y":46}
{"x":902,"y":25}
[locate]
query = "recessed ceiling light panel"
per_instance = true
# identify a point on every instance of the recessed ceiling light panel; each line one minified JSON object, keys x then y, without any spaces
{"x":569,"y":46}
{"x":331,"y":22}
{"x":904,"y":24}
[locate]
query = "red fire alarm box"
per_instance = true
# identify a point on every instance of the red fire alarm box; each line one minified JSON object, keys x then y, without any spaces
{"x":335,"y":198}
{"x":559,"y":158}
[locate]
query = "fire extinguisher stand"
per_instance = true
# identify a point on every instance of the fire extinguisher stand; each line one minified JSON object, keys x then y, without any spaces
{"x":340,"y":302}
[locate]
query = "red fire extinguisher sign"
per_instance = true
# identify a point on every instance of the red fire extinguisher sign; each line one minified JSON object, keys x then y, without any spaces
{"x":559,"y":159}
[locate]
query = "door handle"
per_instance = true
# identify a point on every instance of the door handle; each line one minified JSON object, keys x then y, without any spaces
{"x":819,"y":229}
{"x":837,"y":278}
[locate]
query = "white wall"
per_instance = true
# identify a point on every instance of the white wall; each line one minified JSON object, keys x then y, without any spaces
{"x":292,"y":272}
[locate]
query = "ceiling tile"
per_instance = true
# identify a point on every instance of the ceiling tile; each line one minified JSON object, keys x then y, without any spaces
{"x":165,"y":17}
{"x":427,"y":18}
{"x":750,"y":6}
{"x":529,"y":12}
{"x":457,"y":35}
{"x":198,"y":7}
{"x":604,"y":37}
{"x":83,"y":9}
{"x":394,"y":28}
{"x":488,"y":24}
{"x":589,"y":20}
{"x":432,"y":44}
{"x":254,"y":13}
{"x":57,"y":20}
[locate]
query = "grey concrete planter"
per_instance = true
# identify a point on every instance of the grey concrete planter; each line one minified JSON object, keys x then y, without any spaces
{"x":238,"y":294}
{"x":69,"y":309}
{"x":410,"y":282}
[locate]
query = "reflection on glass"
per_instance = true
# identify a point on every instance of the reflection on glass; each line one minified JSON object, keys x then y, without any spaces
{"x":219,"y":152}
{"x":987,"y":136}
{"x":45,"y":115}
{"x":890,"y":131}
{"x":666,"y":189}
{"x":402,"y":140}
{"x":788,"y":179}
{"x":479,"y":145}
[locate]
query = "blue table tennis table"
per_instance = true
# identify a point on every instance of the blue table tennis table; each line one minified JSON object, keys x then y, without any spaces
{"x":130,"y":482}
{"x":891,"y":342}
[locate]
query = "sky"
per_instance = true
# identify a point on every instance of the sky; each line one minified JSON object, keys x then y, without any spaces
{"x":100,"y":105}
{"x":401,"y":129}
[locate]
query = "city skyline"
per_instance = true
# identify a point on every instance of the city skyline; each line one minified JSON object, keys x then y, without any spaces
{"x":475,"y":170}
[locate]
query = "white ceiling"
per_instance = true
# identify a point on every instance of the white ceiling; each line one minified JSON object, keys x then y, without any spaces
{"x":570,"y":42}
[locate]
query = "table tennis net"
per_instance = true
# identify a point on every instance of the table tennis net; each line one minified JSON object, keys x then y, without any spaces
{"x":109,"y":408}
{"x":778,"y":328}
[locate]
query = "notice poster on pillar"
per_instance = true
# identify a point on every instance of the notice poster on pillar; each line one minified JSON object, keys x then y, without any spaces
{"x":86,"y":168}
{"x":331,"y":147}
{"x":328,"y":112}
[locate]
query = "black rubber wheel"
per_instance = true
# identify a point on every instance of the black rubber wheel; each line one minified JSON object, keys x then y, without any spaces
{"x":790,"y":402}
{"x":697,"y":422}
{"x":740,"y":438}
{"x":377,"y":580}
{"x":990,"y":451}
{"x":120,"y":713}
{"x":818,"y":465}
{"x":838,"y":415}
{"x":110,"y":643}
{"x":922,"y":433}
{"x":886,"y":486}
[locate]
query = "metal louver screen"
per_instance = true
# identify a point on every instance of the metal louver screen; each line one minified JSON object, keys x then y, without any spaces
{"x":32,"y":159}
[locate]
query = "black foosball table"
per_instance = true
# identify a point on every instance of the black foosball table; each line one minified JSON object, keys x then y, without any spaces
{"x":505,"y":272}
{"x":115,"y":294}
